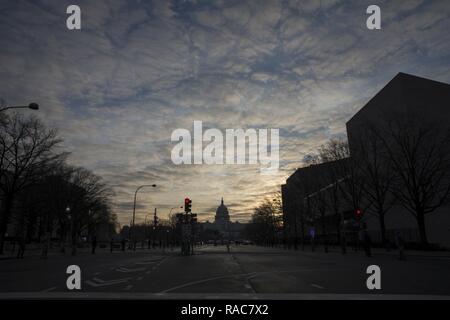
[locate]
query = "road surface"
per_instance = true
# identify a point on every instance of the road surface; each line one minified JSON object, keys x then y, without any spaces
{"x":245,"y":272}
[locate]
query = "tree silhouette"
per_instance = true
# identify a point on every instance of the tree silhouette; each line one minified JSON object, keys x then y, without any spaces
{"x":418,"y":151}
{"x":27,"y":152}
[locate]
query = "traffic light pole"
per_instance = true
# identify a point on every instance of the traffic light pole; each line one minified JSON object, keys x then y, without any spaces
{"x":187,"y":247}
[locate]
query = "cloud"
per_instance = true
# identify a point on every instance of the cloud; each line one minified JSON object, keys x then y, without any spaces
{"x":139,"y":70}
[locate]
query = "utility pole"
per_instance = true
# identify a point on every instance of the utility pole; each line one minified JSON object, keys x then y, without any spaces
{"x":155,"y":219}
{"x":155,"y":224}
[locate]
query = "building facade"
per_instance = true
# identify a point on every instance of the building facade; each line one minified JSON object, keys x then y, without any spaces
{"x":404,"y":127}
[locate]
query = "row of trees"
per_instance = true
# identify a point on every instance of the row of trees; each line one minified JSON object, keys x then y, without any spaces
{"x":266,"y":222}
{"x":41,"y":195}
{"x":401,"y":162}
{"x":405,"y":162}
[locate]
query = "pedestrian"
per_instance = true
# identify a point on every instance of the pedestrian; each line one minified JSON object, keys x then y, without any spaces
{"x":111,"y":245}
{"x":312,"y":233}
{"x":45,"y":244}
{"x":364,"y":238}
{"x":123,"y":244}
{"x":21,"y":250}
{"x":94,"y":244}
{"x":400,"y":243}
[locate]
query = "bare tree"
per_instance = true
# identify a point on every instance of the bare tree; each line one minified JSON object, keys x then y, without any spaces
{"x":290,"y":221}
{"x":88,"y":202}
{"x":377,"y":174}
{"x":319,"y":202}
{"x":266,"y":221}
{"x":27,"y":151}
{"x":419,"y":152}
{"x":303,"y":187}
{"x":336,"y":153}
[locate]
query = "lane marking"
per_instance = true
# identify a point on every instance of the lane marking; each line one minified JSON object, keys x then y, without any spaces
{"x":49,"y":289}
{"x":96,"y":282}
{"x":316,"y":286}
{"x":205,"y":280}
{"x":150,"y":261}
{"x":126,"y":270}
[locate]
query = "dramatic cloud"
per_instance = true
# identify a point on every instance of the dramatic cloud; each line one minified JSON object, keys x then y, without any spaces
{"x":140,"y":69}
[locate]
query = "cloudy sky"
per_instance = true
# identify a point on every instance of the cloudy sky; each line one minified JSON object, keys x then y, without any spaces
{"x":137,"y":70}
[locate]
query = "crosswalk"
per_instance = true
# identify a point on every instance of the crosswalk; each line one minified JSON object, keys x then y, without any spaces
{"x":140,"y":267}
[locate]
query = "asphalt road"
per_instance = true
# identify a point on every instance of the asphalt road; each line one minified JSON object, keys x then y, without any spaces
{"x":245,"y":272}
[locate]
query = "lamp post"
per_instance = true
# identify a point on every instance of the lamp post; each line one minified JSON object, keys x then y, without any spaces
{"x":32,"y":106}
{"x":274,"y":224}
{"x":170,"y":212}
{"x":71,"y":238}
{"x":134,"y":206}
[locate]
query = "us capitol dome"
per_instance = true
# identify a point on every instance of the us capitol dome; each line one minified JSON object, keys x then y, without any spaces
{"x":223,"y":225}
{"x":222,"y":216}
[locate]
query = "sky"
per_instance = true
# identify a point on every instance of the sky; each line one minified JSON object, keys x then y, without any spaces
{"x":138,"y":70}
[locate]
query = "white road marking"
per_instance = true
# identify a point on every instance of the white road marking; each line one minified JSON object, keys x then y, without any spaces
{"x":203,"y":281}
{"x":128,"y":287}
{"x":49,"y":289}
{"x":316,"y":286}
{"x":156,"y":266}
{"x":145,"y":263}
{"x":96,"y":282}
{"x":150,"y":261}
{"x":127,"y":270}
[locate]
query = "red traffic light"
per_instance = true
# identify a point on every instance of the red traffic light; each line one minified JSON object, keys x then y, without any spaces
{"x":358,"y":213}
{"x":187,"y":205}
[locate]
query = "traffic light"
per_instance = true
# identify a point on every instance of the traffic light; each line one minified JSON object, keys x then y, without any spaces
{"x":358,"y":213}
{"x":187,"y":205}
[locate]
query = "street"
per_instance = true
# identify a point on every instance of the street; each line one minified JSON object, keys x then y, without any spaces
{"x":247,"y":271}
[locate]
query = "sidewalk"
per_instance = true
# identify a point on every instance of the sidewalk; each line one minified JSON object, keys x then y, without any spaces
{"x":375,"y":251}
{"x":55,"y":252}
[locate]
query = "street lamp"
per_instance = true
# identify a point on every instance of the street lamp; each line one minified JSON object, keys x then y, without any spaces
{"x":32,"y":106}
{"x":69,"y":216}
{"x":134,"y":206}
{"x":170,"y":212}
